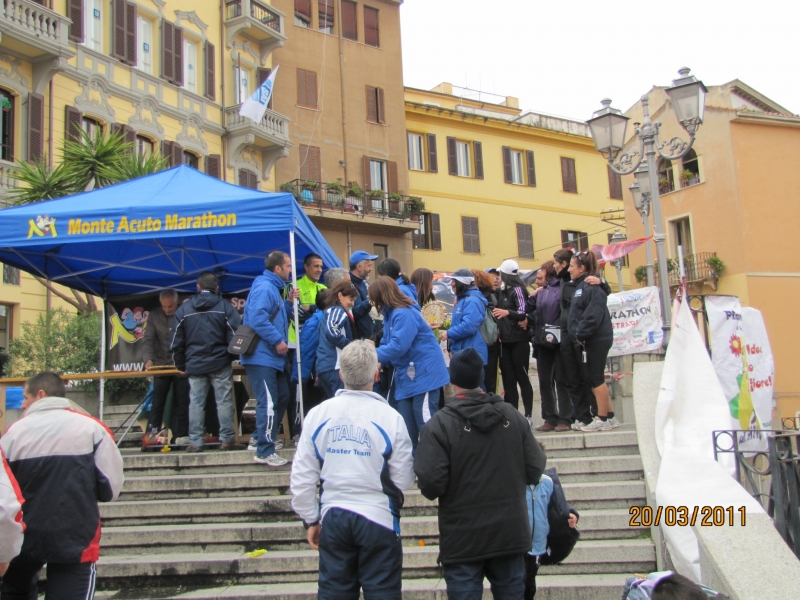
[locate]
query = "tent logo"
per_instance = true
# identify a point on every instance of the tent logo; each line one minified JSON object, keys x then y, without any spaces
{"x":129,"y":326}
{"x":42,"y":226}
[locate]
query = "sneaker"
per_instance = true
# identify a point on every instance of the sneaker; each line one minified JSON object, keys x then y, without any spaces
{"x":546,"y":427}
{"x":273,"y":460}
{"x":576,"y":426}
{"x":252,"y":445}
{"x":278,"y":445}
{"x":182,"y":441}
{"x":530,"y":422}
{"x":596,"y":425}
{"x":614,"y":423}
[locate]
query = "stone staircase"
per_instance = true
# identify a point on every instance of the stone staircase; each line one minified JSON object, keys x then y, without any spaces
{"x":184,"y":523}
{"x":117,"y":417}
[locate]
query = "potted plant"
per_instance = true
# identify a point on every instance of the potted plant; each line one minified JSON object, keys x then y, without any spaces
{"x":663,"y":185}
{"x":355,"y":191}
{"x":335,"y":192}
{"x":686,"y":177}
{"x":415,"y":205}
{"x":640,"y":274}
{"x":310,"y":185}
{"x":716,"y":264}
{"x":290,"y":188}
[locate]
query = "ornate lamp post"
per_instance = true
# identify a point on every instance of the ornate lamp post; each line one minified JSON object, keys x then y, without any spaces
{"x":608,"y":126}
{"x":617,"y":238}
{"x":641,"y":201}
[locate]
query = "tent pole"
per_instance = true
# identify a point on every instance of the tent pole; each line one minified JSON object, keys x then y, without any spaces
{"x":102,"y":361}
{"x":297,"y":330}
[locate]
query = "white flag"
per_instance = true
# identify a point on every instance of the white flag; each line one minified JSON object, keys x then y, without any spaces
{"x":256,"y":105}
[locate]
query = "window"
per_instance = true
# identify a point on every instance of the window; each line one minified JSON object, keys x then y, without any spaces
{"x":10,"y":275}
{"x":349,"y":20}
{"x":190,"y":65}
{"x":666,"y":178}
{"x":375,"y":111}
{"x":191,"y":160}
{"x":469,"y":233}
{"x":377,"y":175}
{"x":614,"y":184}
{"x":382,"y":252}
{"x":302,"y":13}
{"x":306,"y":88}
{"x":371,"y":27}
{"x":242,"y":82}
{"x":416,"y":152}
{"x":6,"y":126}
{"x":248,"y":179}
{"x":75,"y":13}
{"x":517,"y":166}
{"x":690,"y":169}
{"x":93,"y":25}
{"x":310,"y":163}
{"x":144,"y":58}
{"x":577,"y":240}
{"x":462,"y":159}
{"x":429,"y":235}
{"x":524,"y":240}
{"x":144,"y":146}
{"x":326,"y":16}
{"x":569,"y":180}
{"x":91,"y":126}
{"x":681,"y":230}
{"x":173,"y":151}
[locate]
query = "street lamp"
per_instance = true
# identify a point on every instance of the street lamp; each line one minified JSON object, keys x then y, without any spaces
{"x":618,"y":238}
{"x":608,"y":125}
{"x":641,"y":201}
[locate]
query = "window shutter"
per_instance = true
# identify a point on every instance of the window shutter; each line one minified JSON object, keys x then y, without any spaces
{"x":478,"y":149}
{"x":372,"y":27}
{"x":252,"y":180}
{"x":564,"y":238}
{"x":391,"y":168}
{"x":367,"y":177}
{"x":381,"y":111}
{"x":372,"y":104}
{"x":315,"y":164}
{"x":72,"y":119}
{"x":531,"y":168}
{"x":433,"y":161}
{"x":436,"y":232}
{"x":305,"y":163}
{"x":301,"y":88}
{"x":35,"y":127}
{"x":507,"y":164}
{"x":177,"y":155}
{"x":303,"y":8}
{"x":211,"y":72}
{"x":524,"y":240}
{"x":212,"y":165}
{"x":166,"y":150}
{"x":75,"y":13}
{"x":261,"y":77}
{"x":349,"y":20}
{"x":118,"y":46}
{"x":167,"y":51}
{"x":614,"y":184}
{"x":130,"y":33}
{"x":244,"y":178}
{"x":12,"y":156}
{"x":569,"y":181}
{"x":452,"y":160}
{"x":130,"y":135}
{"x":469,"y":230}
{"x":311,"y":88}
{"x":178,"y":49}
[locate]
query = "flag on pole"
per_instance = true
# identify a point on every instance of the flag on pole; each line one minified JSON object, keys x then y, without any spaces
{"x":256,"y":105}
{"x":616,"y":251}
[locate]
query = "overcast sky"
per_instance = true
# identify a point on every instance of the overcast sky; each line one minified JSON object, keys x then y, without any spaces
{"x":563,"y":56}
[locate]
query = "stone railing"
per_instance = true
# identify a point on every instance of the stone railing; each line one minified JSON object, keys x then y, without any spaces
{"x":273,"y":124}
{"x":260,"y":11}
{"x":33,"y":18}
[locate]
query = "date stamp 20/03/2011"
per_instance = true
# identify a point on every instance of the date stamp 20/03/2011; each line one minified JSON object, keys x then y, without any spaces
{"x":709,"y":516}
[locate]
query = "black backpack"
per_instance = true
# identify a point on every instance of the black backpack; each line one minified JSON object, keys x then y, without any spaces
{"x":562,"y":538}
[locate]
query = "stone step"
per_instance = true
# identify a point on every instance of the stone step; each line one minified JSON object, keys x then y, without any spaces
{"x":549,"y":587}
{"x":112,"y":410}
{"x":234,"y":568}
{"x":289,"y":534}
{"x":605,"y":443}
{"x":132,"y":439}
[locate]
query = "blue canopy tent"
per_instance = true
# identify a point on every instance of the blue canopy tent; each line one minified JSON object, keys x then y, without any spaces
{"x":156,"y":232}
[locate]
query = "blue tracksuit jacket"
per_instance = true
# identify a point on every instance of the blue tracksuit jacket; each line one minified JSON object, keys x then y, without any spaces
{"x":465,"y":326}
{"x":264,"y":301}
{"x":335,"y":332}
{"x":309,"y":343}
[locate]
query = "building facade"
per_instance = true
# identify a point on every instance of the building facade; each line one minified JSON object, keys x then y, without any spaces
{"x":734,"y":198}
{"x":501,"y":183}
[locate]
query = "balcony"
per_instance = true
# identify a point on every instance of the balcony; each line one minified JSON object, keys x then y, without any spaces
{"x":333,"y":201}
{"x":258,"y":21}
{"x":33,"y":32}
{"x":270,"y":136}
{"x":687,"y":181}
{"x":698,"y":270}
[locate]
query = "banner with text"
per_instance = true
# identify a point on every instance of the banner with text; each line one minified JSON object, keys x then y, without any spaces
{"x":742,"y":358}
{"x":636,"y":318}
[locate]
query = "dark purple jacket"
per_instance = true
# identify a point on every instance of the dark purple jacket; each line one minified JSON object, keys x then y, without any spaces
{"x":546,"y":307}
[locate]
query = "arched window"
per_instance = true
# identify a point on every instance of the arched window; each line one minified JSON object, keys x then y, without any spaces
{"x":190,"y":160}
{"x":666,"y":180}
{"x":144,"y":146}
{"x":6,"y":126}
{"x":690,"y":169}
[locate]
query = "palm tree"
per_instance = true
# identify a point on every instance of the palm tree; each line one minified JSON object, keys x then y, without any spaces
{"x":86,"y":164}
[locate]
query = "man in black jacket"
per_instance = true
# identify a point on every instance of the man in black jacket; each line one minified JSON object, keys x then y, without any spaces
{"x":476,"y":456}
{"x":204,"y":326}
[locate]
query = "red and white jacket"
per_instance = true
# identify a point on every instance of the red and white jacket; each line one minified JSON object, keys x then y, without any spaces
{"x":11,"y":525}
{"x":65,"y":463}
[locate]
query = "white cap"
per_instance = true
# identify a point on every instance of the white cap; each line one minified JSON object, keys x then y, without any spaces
{"x":509,"y":267}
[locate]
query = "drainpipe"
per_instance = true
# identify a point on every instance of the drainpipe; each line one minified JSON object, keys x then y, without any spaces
{"x":342,"y":88}
{"x":224,"y":166}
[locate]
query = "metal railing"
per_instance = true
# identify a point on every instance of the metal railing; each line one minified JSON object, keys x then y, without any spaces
{"x":39,"y":21}
{"x":274,"y":124}
{"x":345,"y":199}
{"x":696,"y":267}
{"x":690,"y":182}
{"x":771,"y":476}
{"x":259,"y":11}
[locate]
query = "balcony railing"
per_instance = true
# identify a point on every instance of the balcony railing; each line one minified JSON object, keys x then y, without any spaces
{"x":690,"y":182}
{"x":697,"y":270}
{"x":273,"y":124}
{"x":327,"y":197}
{"x":262,"y":13}
{"x":36,"y":26}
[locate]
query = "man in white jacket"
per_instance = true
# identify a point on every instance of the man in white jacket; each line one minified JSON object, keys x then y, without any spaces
{"x":11,"y":527}
{"x":359,"y":448}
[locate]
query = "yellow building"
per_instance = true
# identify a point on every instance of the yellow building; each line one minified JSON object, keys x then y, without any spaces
{"x":735,"y":196}
{"x":501,"y":183}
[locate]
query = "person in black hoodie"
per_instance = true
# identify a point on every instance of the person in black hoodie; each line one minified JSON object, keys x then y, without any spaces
{"x":515,"y":347}
{"x":477,"y":455}
{"x":204,"y":326}
{"x":591,"y":334}
{"x":583,"y":401}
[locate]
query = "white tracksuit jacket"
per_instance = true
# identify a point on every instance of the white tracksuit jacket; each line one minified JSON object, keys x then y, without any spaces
{"x":11,"y":527}
{"x":358,"y":447}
